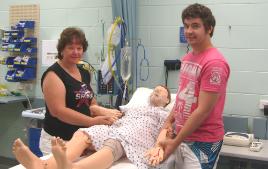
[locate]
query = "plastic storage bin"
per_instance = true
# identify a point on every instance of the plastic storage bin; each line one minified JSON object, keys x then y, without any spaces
{"x":33,"y":141}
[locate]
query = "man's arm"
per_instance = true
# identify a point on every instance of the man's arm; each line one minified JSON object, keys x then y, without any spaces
{"x":206,"y":102}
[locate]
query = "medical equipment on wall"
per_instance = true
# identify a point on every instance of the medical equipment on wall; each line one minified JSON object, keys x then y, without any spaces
{"x":238,"y":139}
{"x":126,"y":54}
{"x":110,"y":77}
{"x":126,"y":63}
{"x":114,"y":36}
{"x":143,"y":63}
{"x":87,"y":66}
{"x":171,"y":65}
{"x":102,"y":48}
{"x":102,"y":88}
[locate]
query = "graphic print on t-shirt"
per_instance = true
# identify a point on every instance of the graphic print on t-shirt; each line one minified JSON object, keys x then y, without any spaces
{"x":83,"y":95}
{"x":187,"y":96}
{"x":215,"y":77}
{"x":208,"y":72}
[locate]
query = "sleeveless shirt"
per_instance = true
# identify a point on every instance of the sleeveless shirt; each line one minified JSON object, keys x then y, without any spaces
{"x":78,"y":97}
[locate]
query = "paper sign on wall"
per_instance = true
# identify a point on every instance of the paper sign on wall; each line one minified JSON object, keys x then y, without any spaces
{"x":49,"y":52}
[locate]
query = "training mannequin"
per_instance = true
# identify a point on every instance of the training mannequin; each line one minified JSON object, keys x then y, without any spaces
{"x":132,"y":135}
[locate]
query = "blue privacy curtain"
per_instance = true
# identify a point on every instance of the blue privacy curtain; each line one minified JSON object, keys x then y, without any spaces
{"x":127,"y":10}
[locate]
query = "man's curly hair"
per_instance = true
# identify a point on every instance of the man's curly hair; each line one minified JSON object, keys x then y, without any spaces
{"x":200,"y":11}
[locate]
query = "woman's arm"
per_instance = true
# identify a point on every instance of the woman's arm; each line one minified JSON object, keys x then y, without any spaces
{"x":54,"y":94}
{"x":97,"y":110}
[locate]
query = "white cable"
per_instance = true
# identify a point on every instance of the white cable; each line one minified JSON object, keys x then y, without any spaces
{"x":29,"y":102}
{"x":23,"y":92}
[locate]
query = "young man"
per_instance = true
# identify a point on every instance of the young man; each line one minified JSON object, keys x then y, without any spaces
{"x":197,"y":113}
{"x":131,"y":135}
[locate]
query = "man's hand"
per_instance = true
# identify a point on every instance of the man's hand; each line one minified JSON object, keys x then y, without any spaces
{"x":170,"y":133}
{"x":169,"y":146}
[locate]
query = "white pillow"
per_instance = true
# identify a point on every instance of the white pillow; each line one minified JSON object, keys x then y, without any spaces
{"x":141,"y":98}
{"x":169,"y":107}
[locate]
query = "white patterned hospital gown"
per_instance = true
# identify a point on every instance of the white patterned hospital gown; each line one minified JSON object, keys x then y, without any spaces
{"x":137,"y":131}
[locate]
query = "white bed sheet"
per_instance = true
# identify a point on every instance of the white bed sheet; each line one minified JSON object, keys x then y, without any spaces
{"x":123,"y":163}
{"x":140,"y":97}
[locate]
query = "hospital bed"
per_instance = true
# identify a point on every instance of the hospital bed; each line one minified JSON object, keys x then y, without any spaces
{"x":123,"y":163}
{"x":140,"y":97}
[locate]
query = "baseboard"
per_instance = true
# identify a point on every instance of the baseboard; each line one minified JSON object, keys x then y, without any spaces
{"x":8,"y":161}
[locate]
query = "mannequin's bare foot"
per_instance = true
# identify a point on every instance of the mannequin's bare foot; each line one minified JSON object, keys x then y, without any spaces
{"x":24,"y":155}
{"x":59,"y":153}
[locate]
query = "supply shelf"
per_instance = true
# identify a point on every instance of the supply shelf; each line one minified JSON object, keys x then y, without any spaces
{"x":22,"y":47}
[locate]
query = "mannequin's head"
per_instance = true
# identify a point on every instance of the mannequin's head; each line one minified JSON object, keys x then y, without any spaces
{"x":160,"y":97}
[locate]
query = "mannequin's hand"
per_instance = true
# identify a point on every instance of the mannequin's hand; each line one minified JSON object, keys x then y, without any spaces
{"x":155,"y":155}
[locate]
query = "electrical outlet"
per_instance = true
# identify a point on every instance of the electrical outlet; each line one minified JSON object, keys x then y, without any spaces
{"x":262,"y":103}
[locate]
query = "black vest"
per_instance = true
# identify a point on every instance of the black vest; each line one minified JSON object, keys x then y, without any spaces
{"x":78,"y":97}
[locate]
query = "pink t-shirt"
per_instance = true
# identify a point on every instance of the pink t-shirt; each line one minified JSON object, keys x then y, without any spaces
{"x":207,"y":71}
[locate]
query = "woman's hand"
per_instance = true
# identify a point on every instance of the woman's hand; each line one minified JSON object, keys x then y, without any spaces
{"x":114,"y":113}
{"x":104,"y":120}
{"x":97,"y":110}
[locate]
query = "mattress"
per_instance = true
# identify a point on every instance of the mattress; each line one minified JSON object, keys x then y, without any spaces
{"x":123,"y":163}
